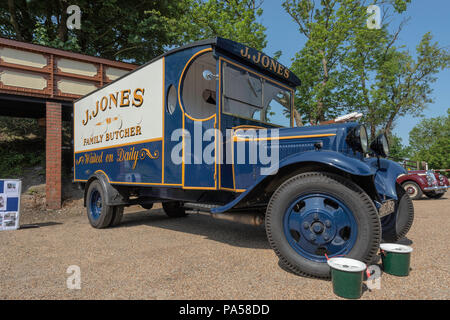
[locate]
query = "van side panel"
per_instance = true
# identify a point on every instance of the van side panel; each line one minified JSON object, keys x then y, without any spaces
{"x":119,"y":129}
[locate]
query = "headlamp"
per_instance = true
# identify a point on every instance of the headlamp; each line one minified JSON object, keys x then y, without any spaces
{"x":380,"y":145}
{"x":357,"y":139}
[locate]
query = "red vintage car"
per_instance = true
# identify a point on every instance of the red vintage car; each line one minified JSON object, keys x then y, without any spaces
{"x":420,"y":182}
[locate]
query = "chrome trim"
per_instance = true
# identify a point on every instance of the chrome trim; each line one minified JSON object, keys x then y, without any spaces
{"x":435,"y":188}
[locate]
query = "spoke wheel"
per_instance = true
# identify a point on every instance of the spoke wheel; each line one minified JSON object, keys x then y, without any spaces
{"x":413,"y":190}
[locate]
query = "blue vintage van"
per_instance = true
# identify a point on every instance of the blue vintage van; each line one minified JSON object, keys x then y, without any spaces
{"x":210,"y":127}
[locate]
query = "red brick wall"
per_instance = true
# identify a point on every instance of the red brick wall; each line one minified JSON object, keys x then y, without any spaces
{"x":53,"y":155}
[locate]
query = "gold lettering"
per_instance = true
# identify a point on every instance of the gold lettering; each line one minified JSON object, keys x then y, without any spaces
{"x":286,"y":73}
{"x":87,"y":118}
{"x":104,"y":103}
{"x":258,"y":59}
{"x":138,"y":97}
{"x":265,"y":61}
{"x":125,"y":96}
{"x":280,"y":69}
{"x":113,"y":98}
{"x":244,"y":54}
{"x":94,"y":113}
{"x":273,"y":65}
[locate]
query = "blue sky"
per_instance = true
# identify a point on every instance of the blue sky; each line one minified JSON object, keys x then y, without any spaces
{"x":425,"y":15}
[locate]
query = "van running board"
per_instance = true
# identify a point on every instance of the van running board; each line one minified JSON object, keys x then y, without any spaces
{"x":200,"y":206}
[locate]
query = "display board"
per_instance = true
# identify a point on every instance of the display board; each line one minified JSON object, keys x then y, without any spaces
{"x":9,"y":204}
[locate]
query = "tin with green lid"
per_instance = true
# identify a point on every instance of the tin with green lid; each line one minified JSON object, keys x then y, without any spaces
{"x":347,"y":277}
{"x":396,"y":259}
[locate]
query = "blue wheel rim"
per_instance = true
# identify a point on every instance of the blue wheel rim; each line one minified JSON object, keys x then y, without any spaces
{"x":95,"y":205}
{"x":319,"y":224}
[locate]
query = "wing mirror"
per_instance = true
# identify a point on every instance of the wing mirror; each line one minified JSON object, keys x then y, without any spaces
{"x":208,"y":75}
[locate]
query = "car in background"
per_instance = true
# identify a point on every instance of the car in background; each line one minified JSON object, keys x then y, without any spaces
{"x":420,"y":182}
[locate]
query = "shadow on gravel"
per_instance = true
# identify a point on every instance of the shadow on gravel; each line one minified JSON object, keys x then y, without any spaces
{"x":405,"y":241}
{"x":39,"y":225}
{"x":285,"y":268}
{"x":232,"y":233}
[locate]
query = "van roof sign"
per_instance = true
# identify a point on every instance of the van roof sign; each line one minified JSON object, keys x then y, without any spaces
{"x":246,"y":55}
{"x":256,"y":58}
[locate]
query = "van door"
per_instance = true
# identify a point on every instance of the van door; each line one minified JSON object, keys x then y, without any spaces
{"x":198,"y":99}
{"x":200,"y":154}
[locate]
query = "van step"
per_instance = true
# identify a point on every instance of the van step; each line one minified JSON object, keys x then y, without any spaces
{"x":200,"y":206}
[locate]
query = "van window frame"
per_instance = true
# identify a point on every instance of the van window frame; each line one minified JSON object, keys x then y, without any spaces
{"x":222,"y":63}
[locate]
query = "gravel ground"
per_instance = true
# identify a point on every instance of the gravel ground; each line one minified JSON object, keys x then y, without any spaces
{"x":152,"y":257}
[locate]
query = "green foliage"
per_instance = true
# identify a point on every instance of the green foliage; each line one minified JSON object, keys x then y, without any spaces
{"x":232,"y":19}
{"x":327,"y":26}
{"x":397,"y":150}
{"x":17,"y":127}
{"x":19,"y":155}
{"x":21,"y":146}
{"x":430,"y":140}
{"x":346,"y":67}
{"x":132,"y":30}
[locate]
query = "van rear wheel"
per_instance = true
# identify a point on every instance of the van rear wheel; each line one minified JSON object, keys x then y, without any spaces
{"x":99,"y":213}
{"x":317,"y":214}
{"x":174,"y":209}
{"x":117,"y":216}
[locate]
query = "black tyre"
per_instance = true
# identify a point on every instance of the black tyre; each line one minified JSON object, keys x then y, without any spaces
{"x":412,"y":189}
{"x":99,"y":214}
{"x":117,"y":216}
{"x":174,"y":209}
{"x":396,"y":225}
{"x":433,"y":195}
{"x":317,"y":214}
{"x":147,"y":206}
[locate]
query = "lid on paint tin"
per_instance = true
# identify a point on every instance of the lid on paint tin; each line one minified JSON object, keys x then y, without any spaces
{"x":347,"y":264}
{"x":396,"y":248}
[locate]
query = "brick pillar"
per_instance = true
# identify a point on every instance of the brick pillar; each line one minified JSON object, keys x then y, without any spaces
{"x":53,"y":155}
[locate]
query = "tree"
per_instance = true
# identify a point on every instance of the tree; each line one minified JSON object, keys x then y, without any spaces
{"x":390,"y":82}
{"x":232,"y":19}
{"x":346,"y":67}
{"x":397,"y":150}
{"x":112,"y":29}
{"x":327,"y":26}
{"x":430,"y":141}
{"x":133,"y":30}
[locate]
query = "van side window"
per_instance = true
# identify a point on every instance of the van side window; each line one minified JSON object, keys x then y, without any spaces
{"x":199,"y":94}
{"x":247,"y":95}
{"x":171,"y":99}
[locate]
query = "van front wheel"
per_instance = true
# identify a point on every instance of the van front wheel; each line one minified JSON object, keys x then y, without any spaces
{"x":317,"y":215}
